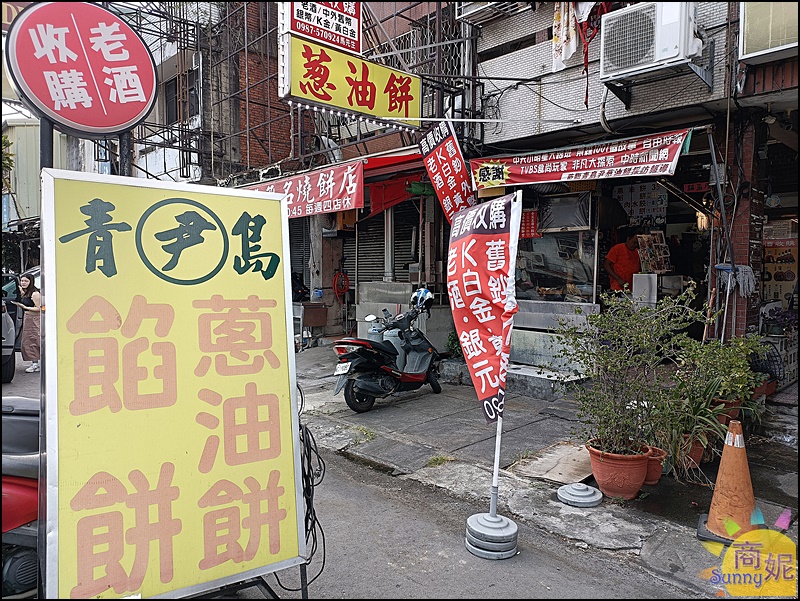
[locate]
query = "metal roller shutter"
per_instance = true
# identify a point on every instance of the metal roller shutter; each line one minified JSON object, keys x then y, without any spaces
{"x":300,"y":246}
{"x":370,"y":251}
{"x":406,"y":218}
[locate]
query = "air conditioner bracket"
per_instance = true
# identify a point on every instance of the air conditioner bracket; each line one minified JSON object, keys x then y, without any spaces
{"x":623,"y":90}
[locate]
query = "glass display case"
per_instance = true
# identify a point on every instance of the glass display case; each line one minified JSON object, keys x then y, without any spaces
{"x":558,"y":267}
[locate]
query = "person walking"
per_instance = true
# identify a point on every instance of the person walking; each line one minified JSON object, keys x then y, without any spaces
{"x":31,"y":304}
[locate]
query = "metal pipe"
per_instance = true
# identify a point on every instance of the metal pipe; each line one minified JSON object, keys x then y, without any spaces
{"x":45,"y":143}
{"x":125,"y":153}
{"x":496,"y":469}
{"x":596,"y":264}
{"x":388,"y":252}
{"x":355,"y":279}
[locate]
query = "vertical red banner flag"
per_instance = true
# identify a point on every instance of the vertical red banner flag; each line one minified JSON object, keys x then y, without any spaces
{"x":449,"y":173}
{"x":480,"y":282}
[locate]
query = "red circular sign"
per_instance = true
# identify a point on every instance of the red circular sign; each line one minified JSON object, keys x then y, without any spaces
{"x":82,"y":67}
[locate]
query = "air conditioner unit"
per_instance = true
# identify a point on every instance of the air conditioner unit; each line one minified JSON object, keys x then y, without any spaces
{"x":647,"y":36}
{"x":481,"y":12}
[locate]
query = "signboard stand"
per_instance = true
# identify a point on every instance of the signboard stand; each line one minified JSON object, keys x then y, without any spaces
{"x":480,"y":280}
{"x":259,"y":583}
{"x":489,"y":535}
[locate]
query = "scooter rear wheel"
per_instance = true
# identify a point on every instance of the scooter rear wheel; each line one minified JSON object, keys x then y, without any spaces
{"x":357,"y":401}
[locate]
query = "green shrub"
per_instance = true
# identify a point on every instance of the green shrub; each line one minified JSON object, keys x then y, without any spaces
{"x":454,"y":346}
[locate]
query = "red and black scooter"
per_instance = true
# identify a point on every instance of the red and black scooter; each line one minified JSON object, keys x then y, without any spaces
{"x":20,"y":496}
{"x":372,"y":369}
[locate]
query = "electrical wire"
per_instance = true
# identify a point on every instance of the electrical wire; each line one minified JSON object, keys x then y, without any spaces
{"x":312,"y":475}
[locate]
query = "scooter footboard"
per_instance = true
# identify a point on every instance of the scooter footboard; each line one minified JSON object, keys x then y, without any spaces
{"x":417,"y":363}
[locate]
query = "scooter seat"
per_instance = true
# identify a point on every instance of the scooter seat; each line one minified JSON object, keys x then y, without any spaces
{"x":385,"y":346}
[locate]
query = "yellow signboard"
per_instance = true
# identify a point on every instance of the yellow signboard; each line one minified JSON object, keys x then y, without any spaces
{"x":173,"y":461}
{"x":322,"y":75}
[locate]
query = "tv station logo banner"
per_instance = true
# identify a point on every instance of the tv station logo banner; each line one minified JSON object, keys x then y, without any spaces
{"x":82,"y":67}
{"x":447,"y":169}
{"x":651,"y":155}
{"x":173,"y":461}
{"x":325,"y":77}
{"x":336,"y":24}
{"x":480,"y":283}
{"x":329,"y":190}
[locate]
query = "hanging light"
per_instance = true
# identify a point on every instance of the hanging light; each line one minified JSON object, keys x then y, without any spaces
{"x":703,"y":221}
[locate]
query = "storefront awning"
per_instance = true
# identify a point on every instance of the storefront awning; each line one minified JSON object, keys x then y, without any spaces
{"x":404,"y":159}
{"x":388,"y":193}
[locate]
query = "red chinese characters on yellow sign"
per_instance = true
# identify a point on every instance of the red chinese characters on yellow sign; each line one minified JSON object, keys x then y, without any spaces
{"x":97,"y":358}
{"x":334,"y":79}
{"x":242,"y":338}
{"x":480,"y":283}
{"x":100,"y":570}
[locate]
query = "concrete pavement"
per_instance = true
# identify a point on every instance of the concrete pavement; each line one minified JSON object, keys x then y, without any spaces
{"x":443,"y":441}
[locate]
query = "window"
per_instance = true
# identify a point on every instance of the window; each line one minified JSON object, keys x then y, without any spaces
{"x":181,"y":103}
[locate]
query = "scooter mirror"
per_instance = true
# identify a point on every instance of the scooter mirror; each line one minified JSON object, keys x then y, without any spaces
{"x":370,"y":317}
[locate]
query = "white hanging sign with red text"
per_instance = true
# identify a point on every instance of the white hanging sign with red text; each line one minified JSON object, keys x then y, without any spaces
{"x":336,"y":24}
{"x":480,"y":283}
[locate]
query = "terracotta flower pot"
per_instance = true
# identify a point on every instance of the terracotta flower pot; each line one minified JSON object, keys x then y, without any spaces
{"x":655,"y":466}
{"x":695,"y":456}
{"x":766,"y":388}
{"x":731,"y":410}
{"x":619,"y":475}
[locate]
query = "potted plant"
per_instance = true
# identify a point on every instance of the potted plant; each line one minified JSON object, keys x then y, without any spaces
{"x":690,"y":420}
{"x":730,"y":363}
{"x":655,"y":465}
{"x":623,"y":387}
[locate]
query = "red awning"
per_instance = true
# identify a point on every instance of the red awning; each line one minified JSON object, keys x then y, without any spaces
{"x":388,"y":193}
{"x":406,"y":159}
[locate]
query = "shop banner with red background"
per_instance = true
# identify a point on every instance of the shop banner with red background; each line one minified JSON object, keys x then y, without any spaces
{"x":330,"y":190}
{"x":649,"y":155}
{"x":447,"y":169}
{"x":480,"y":283}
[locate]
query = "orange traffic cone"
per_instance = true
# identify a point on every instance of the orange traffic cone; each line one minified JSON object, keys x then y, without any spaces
{"x":733,"y":502}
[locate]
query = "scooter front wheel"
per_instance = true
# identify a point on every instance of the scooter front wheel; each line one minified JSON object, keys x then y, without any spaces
{"x":434,"y":382}
{"x":357,"y":401}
